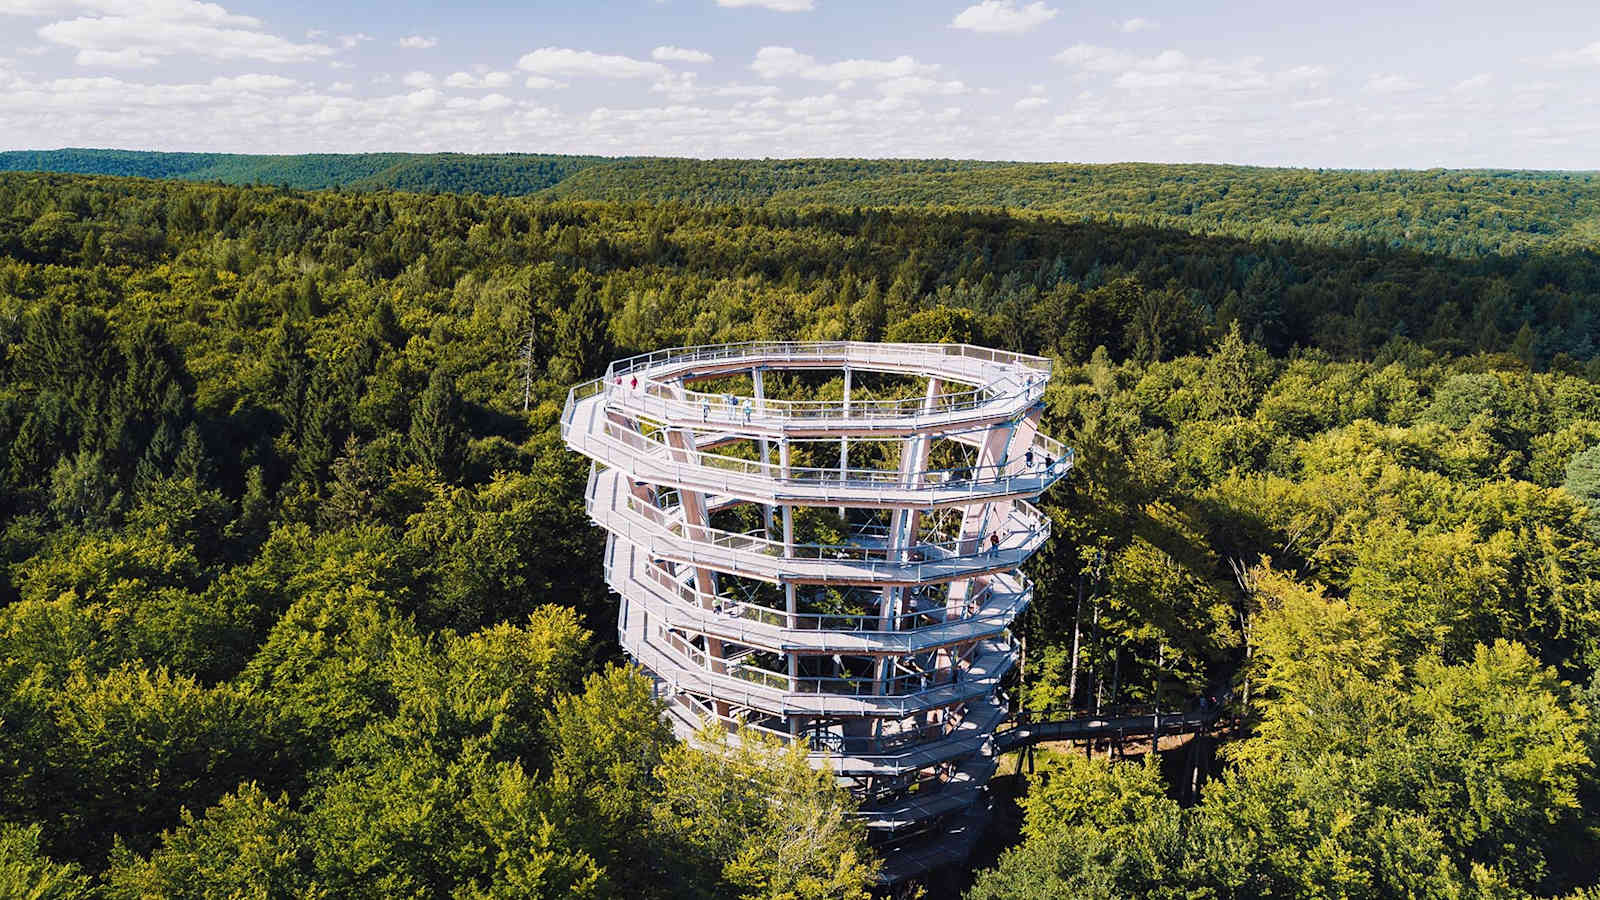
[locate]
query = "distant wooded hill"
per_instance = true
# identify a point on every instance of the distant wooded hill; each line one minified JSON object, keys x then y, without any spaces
{"x":1455,"y":212}
{"x":510,"y":174}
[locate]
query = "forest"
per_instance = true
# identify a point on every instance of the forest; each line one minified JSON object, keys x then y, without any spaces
{"x":1461,"y":213}
{"x":298,"y":597}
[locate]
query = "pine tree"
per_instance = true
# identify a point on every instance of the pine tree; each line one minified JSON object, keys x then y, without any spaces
{"x":1583,"y":482}
{"x":193,"y":461}
{"x":249,"y":530}
{"x":436,"y":436}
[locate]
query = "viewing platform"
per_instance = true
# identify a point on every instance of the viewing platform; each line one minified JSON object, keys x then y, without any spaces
{"x":820,"y":542}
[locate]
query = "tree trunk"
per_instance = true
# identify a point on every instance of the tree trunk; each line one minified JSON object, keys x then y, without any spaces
{"x":1072,"y":678}
{"x":527,"y":369}
{"x":1096,"y":672}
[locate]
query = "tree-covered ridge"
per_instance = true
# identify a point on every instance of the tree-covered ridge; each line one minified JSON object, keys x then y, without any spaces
{"x":1454,"y":212}
{"x":1450,"y":212}
{"x":296,"y":587}
{"x":687,"y":275}
{"x":509,"y":174}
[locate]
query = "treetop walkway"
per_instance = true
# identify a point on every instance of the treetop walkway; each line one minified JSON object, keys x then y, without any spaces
{"x":876,"y":633}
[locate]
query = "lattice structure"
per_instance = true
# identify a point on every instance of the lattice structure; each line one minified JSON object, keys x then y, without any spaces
{"x":838,"y":572}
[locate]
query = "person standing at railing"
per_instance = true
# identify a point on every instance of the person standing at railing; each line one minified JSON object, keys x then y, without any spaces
{"x":994,"y":541}
{"x":633,"y":383}
{"x":748,"y":408}
{"x":1027,"y":459}
{"x":705,"y":408}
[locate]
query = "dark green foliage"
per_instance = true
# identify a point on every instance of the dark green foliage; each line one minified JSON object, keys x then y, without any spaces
{"x":25,"y":871}
{"x":1583,"y":482}
{"x":281,"y":479}
{"x":507,"y":173}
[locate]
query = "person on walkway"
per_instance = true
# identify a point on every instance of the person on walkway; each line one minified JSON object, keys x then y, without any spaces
{"x":994,"y":541}
{"x":1027,"y":459}
{"x":747,"y":410}
{"x":705,"y":408}
{"x":634,"y":382}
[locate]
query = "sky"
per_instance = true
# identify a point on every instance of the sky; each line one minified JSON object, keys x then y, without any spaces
{"x":1337,"y":84}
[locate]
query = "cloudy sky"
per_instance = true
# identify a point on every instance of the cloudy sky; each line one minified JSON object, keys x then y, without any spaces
{"x":1346,"y":84}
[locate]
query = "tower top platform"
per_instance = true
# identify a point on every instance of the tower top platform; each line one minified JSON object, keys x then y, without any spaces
{"x":999,"y":385}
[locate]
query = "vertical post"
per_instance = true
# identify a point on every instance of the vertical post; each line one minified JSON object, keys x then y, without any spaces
{"x":903,"y":527}
{"x":1155,"y":719}
{"x":760,"y":404}
{"x":844,"y":441}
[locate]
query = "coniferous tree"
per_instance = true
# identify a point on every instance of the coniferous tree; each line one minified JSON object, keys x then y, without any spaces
{"x":436,"y":438}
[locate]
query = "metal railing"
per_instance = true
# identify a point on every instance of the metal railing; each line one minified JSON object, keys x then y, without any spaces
{"x":1050,"y":460}
{"x":848,"y":352}
{"x":1024,"y":377}
{"x":642,"y":523}
{"x":855,"y":624}
{"x":989,"y":613}
{"x":900,"y":749}
{"x":903,"y":687}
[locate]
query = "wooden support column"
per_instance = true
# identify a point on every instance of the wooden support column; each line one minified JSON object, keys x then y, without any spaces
{"x":790,"y":601}
{"x":697,"y":526}
{"x":903,"y":527}
{"x":844,"y":441}
{"x":766,"y":460}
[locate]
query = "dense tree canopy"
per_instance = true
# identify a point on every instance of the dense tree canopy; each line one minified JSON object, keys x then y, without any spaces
{"x":298,"y":596}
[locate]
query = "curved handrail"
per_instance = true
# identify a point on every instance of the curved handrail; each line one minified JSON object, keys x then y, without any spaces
{"x":1027,"y":376}
{"x":768,"y":629}
{"x":985,"y":663}
{"x":764,"y":553}
{"x":1051,"y":457}
{"x":855,"y":352}
{"x":962,"y":727}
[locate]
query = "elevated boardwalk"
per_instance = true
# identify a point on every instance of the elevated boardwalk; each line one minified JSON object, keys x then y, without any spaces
{"x":1025,"y":732}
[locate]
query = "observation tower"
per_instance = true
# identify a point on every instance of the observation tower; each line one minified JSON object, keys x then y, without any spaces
{"x":820,"y":542}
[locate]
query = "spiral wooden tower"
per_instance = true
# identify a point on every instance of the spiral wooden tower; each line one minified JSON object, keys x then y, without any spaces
{"x":840,"y":572}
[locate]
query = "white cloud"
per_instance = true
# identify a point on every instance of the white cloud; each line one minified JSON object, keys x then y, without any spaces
{"x":1391,"y":84}
{"x":1131,"y":26}
{"x":422,"y":99}
{"x":786,"y":62}
{"x":680,"y":87}
{"x":171,"y":10}
{"x":541,"y":83}
{"x":911,"y":85}
{"x":562,"y":61}
{"x":1003,"y":17}
{"x":679,"y":54}
{"x":1095,"y":59}
{"x":484,"y":81}
{"x":1172,"y":70}
{"x":1474,"y":83}
{"x":1588,"y":55}
{"x":417,"y":80}
{"x":1027,"y":103}
{"x":417,"y":42}
{"x":747,"y":90}
{"x":254,"y":82}
{"x":350,"y":41}
{"x":778,"y":5}
{"x":126,"y":58}
{"x":486,"y":103}
{"x":128,"y":33}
